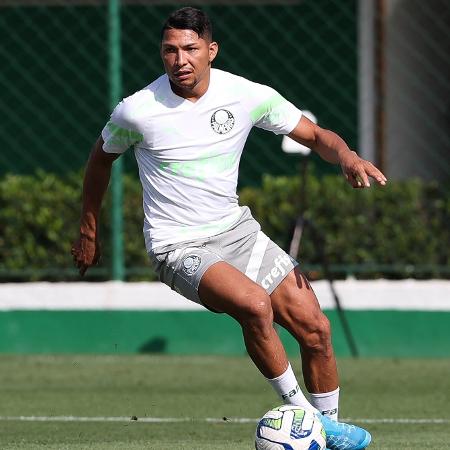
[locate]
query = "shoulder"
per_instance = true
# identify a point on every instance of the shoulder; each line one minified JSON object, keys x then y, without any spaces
{"x":131,"y":108}
{"x":224,"y":77}
{"x":245,"y":88}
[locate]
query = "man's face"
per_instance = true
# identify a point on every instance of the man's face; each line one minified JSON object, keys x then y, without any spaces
{"x":186,"y":57}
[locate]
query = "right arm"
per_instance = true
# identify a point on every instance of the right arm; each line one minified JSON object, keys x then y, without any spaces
{"x":86,"y":249}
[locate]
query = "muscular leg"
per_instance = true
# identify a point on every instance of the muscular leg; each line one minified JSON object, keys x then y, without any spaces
{"x":296,"y":308}
{"x":225,"y":289}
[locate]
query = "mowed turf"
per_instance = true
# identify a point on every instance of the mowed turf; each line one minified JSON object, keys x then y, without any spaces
{"x":373,"y":392}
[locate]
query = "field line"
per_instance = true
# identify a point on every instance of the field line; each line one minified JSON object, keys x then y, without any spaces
{"x":205,"y":420}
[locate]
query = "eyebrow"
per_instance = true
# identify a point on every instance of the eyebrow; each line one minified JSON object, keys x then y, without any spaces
{"x":168,"y":44}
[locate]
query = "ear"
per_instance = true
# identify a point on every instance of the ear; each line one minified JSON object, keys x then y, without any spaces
{"x":213,"y":50}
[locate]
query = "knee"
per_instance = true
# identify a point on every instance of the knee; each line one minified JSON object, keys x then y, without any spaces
{"x":316,"y":336}
{"x":256,"y":312}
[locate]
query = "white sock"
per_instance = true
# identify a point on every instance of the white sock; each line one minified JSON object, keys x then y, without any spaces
{"x":327,"y":403}
{"x":286,"y":386}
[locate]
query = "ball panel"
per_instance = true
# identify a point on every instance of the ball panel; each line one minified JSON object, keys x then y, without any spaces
{"x":290,"y":427}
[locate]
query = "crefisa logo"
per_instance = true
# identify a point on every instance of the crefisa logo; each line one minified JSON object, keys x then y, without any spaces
{"x":280,"y":267}
{"x":222,"y":121}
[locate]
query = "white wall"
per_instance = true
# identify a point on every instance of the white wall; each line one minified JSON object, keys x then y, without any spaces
{"x":113,"y":295}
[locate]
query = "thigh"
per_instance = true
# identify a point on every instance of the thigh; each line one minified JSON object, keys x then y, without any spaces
{"x":294,"y":303}
{"x":223,"y":288}
{"x":258,"y":257}
{"x":182,"y":268}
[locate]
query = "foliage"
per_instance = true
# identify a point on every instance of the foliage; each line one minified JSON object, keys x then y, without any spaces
{"x":400,"y":230}
{"x":39,"y":218}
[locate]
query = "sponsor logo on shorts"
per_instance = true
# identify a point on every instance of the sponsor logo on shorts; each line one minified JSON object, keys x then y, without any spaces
{"x":281,"y":263}
{"x":191,"y":263}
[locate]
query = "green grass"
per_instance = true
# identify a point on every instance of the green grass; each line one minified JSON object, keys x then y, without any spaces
{"x":199,"y":387}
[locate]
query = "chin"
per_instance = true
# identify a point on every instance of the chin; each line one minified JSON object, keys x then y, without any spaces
{"x":186,"y":87}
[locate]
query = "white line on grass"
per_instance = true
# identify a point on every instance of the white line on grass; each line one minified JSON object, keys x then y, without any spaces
{"x":207,"y":419}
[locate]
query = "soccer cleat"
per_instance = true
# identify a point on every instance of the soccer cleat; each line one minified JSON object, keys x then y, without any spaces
{"x":342,"y":436}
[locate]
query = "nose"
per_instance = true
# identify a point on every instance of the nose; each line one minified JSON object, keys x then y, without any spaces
{"x":181,"y":58}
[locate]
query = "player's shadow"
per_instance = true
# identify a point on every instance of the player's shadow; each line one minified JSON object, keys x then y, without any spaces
{"x":155,"y":345}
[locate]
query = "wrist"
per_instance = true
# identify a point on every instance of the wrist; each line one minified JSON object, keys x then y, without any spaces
{"x":343,"y":153}
{"x":88,"y":235}
{"x":88,"y":226}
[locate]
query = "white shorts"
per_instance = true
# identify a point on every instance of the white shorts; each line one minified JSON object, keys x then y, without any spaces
{"x":244,"y":246}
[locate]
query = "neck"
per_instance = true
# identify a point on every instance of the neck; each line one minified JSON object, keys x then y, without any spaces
{"x":192,"y":93}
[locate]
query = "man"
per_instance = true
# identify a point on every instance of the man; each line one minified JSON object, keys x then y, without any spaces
{"x":188,"y":129}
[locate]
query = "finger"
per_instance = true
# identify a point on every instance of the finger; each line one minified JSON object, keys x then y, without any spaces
{"x":358,"y":172}
{"x":353,"y":180}
{"x":83,"y":269}
{"x":80,"y":262}
{"x":362,"y":178}
{"x":376,"y":175}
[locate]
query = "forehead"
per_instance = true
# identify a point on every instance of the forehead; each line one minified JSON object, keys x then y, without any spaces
{"x":181,"y":38}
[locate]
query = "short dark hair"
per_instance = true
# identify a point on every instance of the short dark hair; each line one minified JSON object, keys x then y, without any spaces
{"x":189,"y":19}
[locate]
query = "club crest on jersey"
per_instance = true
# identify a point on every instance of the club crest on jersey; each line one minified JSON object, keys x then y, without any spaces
{"x":222,"y":121}
{"x":191,"y":263}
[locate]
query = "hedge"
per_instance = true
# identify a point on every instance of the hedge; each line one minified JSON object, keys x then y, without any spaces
{"x":39,"y":219}
{"x":400,"y":230}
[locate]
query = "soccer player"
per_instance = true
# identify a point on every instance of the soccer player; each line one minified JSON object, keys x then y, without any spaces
{"x":188,"y":129}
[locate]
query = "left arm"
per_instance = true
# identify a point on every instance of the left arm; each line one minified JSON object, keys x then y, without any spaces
{"x":332,"y":148}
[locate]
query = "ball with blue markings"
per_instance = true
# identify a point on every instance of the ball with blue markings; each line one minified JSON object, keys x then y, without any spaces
{"x":290,"y":427}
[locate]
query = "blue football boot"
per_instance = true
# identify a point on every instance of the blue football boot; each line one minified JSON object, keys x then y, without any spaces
{"x":342,"y":436}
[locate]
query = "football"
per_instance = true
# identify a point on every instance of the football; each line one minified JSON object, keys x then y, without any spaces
{"x":290,"y":427}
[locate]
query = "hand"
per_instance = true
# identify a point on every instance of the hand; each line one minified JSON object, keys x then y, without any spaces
{"x":85,"y":252}
{"x":357,"y":170}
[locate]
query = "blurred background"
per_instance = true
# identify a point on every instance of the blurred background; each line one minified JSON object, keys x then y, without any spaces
{"x":374,"y":71}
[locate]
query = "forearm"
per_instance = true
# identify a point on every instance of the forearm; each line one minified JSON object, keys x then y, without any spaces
{"x":329,"y":145}
{"x":332,"y":148}
{"x":95,"y":184}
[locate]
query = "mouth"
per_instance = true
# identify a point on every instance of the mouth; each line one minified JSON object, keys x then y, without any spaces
{"x":182,"y":74}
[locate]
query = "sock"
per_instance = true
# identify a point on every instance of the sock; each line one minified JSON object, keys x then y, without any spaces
{"x":327,"y":403}
{"x":286,"y":386}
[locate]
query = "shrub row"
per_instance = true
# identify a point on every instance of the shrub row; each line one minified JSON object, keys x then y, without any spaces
{"x":400,"y":230}
{"x":39,"y":219}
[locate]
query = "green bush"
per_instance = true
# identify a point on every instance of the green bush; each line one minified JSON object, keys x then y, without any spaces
{"x":400,"y":230}
{"x":39,"y":219}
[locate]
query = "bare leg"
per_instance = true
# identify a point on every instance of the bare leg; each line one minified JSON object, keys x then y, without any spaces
{"x":225,"y":289}
{"x":296,"y":308}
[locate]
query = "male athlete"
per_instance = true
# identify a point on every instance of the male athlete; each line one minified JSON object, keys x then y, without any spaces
{"x":188,"y":129}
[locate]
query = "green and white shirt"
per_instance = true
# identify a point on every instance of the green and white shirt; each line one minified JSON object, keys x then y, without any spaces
{"x":188,"y":153}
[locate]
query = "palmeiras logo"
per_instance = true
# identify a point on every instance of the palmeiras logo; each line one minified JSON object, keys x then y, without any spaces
{"x":191,"y":263}
{"x":222,"y":121}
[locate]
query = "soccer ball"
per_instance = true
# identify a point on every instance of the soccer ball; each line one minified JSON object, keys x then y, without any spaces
{"x":290,"y":427}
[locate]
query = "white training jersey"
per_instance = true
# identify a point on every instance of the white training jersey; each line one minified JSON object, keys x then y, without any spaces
{"x":188,"y":153}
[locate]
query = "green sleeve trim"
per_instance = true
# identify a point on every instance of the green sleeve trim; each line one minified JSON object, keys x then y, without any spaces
{"x":122,"y":136}
{"x":266,"y":107}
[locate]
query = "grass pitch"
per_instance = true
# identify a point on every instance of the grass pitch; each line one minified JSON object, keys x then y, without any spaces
{"x":87,"y":402}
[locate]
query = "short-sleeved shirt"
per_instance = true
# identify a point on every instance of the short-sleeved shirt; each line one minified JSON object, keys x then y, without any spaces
{"x":188,"y":153}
